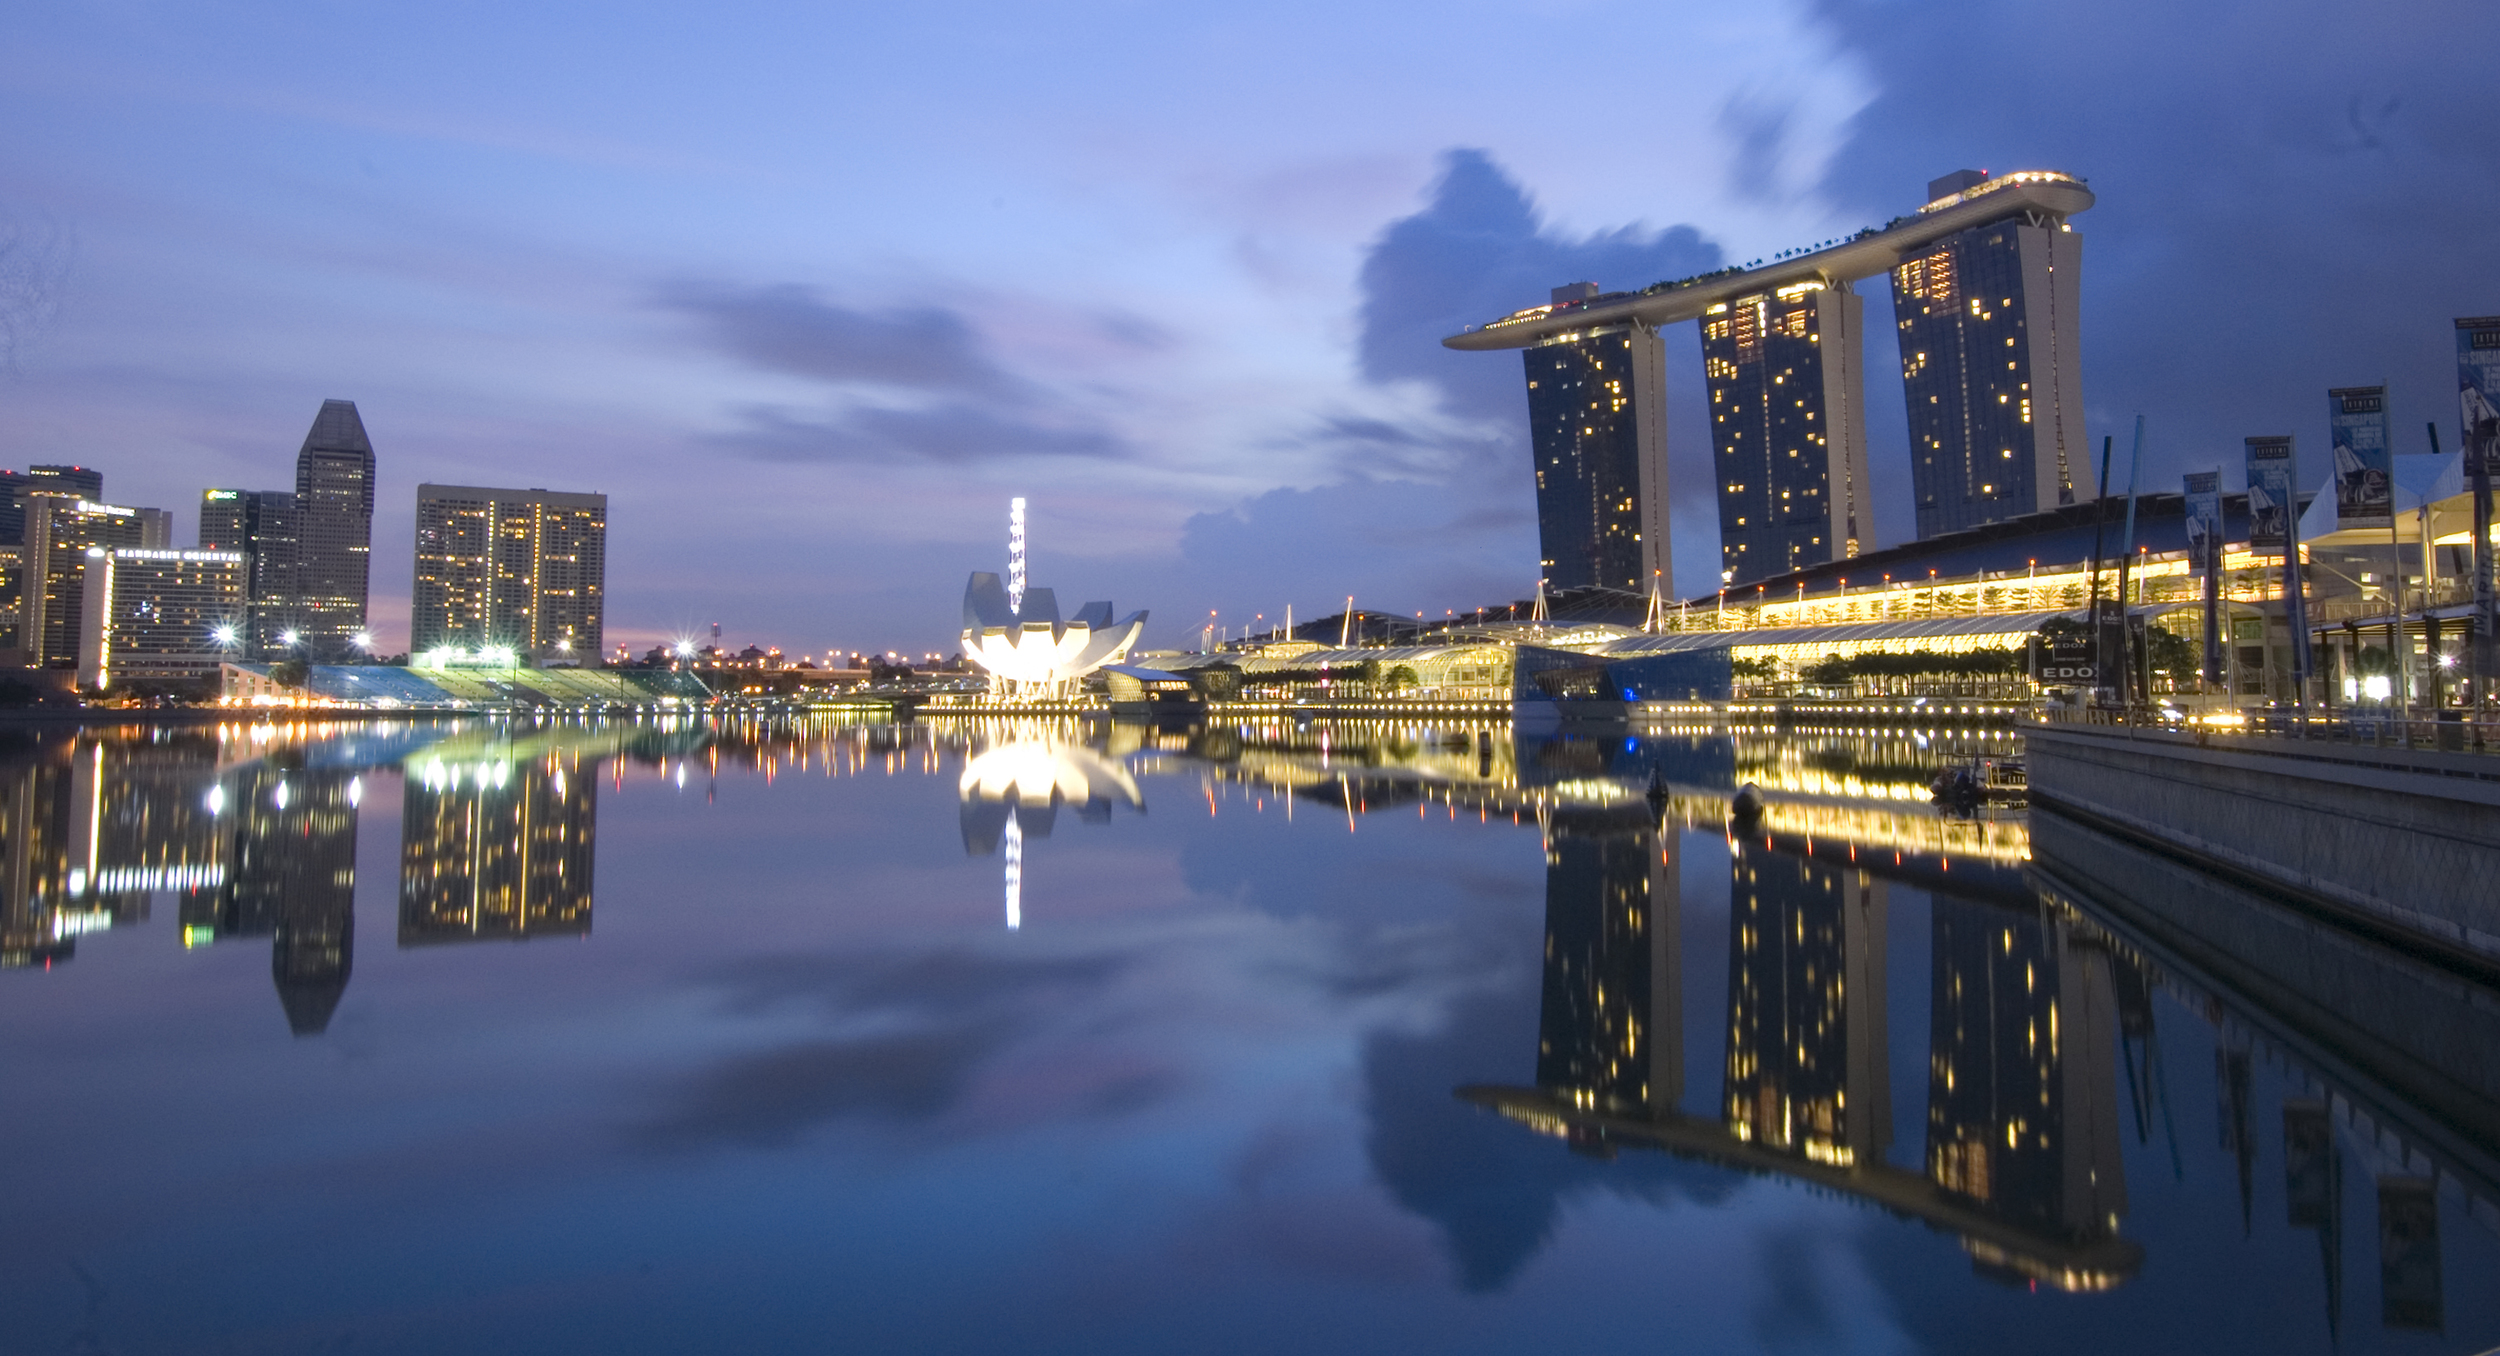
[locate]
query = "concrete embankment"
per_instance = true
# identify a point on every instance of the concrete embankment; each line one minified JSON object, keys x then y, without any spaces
{"x":2401,"y":845}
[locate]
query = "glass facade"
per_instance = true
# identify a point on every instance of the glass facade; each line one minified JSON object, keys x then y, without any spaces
{"x":1786,"y":428}
{"x":526,"y":569}
{"x":159,"y":614}
{"x":334,"y":533}
{"x":261,"y":525}
{"x":1595,"y":420}
{"x":1806,"y":1055}
{"x":1989,"y":368}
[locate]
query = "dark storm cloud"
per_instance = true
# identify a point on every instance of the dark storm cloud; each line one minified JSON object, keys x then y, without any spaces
{"x":790,"y":329}
{"x":1478,"y":251}
{"x":947,"y":433}
{"x":2290,"y":199}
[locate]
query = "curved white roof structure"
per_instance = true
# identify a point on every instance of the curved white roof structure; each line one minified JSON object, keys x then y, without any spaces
{"x":1029,"y":646}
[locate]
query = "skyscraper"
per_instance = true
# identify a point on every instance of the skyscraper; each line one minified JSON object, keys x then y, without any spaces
{"x":262,"y":526}
{"x":525,"y":569}
{"x":496,"y":851}
{"x":1609,"y":1035}
{"x":1788,"y":426}
{"x":334,"y":533}
{"x":159,"y":614}
{"x":1597,"y":427}
{"x":1991,"y":363}
{"x":1807,"y":1067}
{"x":58,"y":532}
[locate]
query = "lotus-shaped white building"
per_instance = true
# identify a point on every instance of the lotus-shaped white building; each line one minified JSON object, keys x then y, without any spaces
{"x":1027,"y":648}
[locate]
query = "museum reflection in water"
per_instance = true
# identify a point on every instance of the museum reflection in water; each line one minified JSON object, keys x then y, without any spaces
{"x":2045,"y":946}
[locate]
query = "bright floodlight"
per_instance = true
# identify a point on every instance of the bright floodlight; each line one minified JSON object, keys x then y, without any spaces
{"x":288,"y":637}
{"x":363,"y":640}
{"x":224,"y":634}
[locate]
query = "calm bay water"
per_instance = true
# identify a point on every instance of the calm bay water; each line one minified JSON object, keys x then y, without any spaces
{"x":975,"y":1038}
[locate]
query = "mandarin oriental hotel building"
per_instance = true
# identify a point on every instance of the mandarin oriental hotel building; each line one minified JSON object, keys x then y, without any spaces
{"x":159,"y":614}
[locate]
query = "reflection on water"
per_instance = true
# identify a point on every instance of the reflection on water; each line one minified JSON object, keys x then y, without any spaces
{"x":1958,"y":1022}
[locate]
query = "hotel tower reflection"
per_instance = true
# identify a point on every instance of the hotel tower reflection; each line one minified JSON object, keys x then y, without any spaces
{"x":2022,"y":1154}
{"x":496,"y":849}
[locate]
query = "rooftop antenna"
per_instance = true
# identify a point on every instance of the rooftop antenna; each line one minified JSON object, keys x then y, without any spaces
{"x":1015,"y":555}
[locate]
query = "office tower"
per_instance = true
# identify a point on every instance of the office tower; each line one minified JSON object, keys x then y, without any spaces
{"x":69,"y":482}
{"x":159,"y":614}
{"x":1597,"y":427}
{"x":496,"y":851}
{"x":1991,"y":363}
{"x":59,"y":531}
{"x":262,"y":525}
{"x":334,"y":529}
{"x":1788,"y":426}
{"x":1807,"y":1067}
{"x":524,"y":569}
{"x":1609,"y":1036}
{"x":2022,"y":1116}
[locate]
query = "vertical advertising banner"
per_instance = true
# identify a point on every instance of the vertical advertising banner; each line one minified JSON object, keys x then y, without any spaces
{"x":2478,"y":411}
{"x":2478,"y":390}
{"x":2204,"y":520}
{"x":2357,"y":425}
{"x":2269,"y":495}
{"x":2204,"y":534}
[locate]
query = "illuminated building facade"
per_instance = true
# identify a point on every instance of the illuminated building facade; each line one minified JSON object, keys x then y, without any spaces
{"x":496,"y":851}
{"x":2021,"y":1096}
{"x":59,"y":533}
{"x":1806,"y":1057}
{"x":1597,"y":428}
{"x":159,"y":614}
{"x":1788,"y":428}
{"x":1991,"y":366}
{"x":334,"y":529}
{"x":263,"y":526}
{"x":519,"y":569}
{"x":1608,"y":1035}
{"x":1985,"y":273}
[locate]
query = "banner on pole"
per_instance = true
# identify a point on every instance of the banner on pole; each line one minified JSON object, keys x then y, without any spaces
{"x":2478,"y":390}
{"x":2357,"y":425}
{"x":2204,"y":519}
{"x":2269,"y":494}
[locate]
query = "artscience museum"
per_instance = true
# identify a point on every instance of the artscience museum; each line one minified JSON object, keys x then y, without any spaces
{"x":1026,"y":648}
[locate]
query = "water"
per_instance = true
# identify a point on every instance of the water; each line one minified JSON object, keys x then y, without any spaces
{"x":1342,"y":1038}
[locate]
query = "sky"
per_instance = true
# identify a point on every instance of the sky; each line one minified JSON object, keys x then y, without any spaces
{"x":810,"y":291}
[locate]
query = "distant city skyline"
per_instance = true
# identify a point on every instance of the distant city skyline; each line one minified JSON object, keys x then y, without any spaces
{"x":1202,"y":343}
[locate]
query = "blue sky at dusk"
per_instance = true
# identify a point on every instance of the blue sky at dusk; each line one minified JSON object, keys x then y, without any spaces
{"x":809,"y":291}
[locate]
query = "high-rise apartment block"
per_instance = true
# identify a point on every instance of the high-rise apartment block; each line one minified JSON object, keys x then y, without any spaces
{"x":334,"y":528}
{"x":519,"y":569}
{"x":1788,"y":428}
{"x":1597,"y":423}
{"x":52,"y":606}
{"x":261,"y":525}
{"x":159,"y":614}
{"x":1991,"y":367}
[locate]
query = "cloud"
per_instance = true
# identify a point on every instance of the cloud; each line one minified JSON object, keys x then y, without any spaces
{"x":1478,"y":250}
{"x":948,"y":433}
{"x":935,"y":1020}
{"x":789,"y":329}
{"x":903,"y":385}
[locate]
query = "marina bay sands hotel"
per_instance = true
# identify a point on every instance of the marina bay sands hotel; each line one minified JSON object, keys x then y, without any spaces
{"x":1985,"y":284}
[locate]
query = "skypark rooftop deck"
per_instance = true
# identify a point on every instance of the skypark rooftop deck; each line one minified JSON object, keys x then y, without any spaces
{"x":2044,"y":193}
